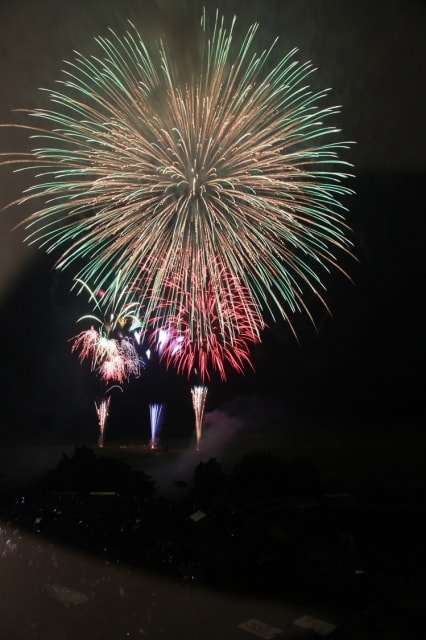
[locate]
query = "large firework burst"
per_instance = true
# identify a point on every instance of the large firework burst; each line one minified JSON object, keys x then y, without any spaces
{"x":231,"y":170}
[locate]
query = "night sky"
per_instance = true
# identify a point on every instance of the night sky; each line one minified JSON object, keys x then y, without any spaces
{"x":363,"y":363}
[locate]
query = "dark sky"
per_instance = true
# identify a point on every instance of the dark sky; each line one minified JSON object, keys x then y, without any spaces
{"x":364,"y":363}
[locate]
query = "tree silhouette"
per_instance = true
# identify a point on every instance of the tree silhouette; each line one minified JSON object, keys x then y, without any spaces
{"x":85,"y":471}
{"x":209,"y":482}
{"x":260,"y":476}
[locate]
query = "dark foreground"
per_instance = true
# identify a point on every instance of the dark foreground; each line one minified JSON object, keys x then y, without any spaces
{"x":223,"y":555}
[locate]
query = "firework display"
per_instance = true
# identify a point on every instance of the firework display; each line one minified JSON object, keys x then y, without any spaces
{"x":156,"y":417}
{"x":199,"y":396}
{"x":218,"y":198}
{"x":211,"y":331}
{"x":102,"y":411}
{"x":111,"y":353}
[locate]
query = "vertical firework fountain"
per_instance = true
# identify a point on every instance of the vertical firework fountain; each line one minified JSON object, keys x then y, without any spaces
{"x":102,"y":411}
{"x":156,"y":414}
{"x":199,"y":395}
